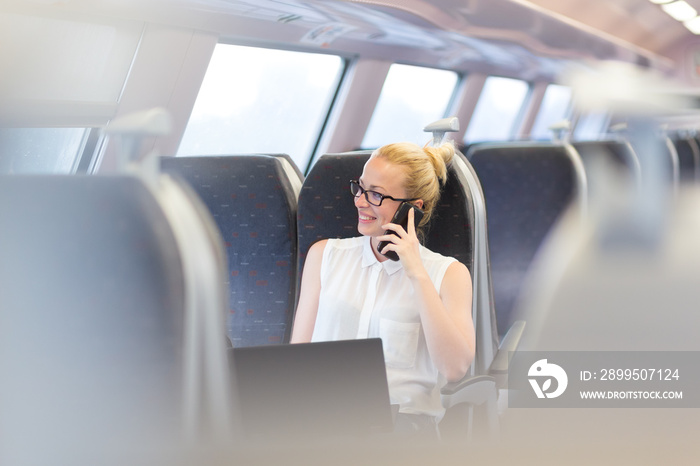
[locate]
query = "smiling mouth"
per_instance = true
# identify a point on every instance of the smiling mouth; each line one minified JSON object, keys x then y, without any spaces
{"x":366,"y":217}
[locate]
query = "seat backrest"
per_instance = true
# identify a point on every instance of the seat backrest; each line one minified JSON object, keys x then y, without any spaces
{"x":294,"y":174}
{"x":484,"y":315}
{"x":526,"y":187}
{"x":91,"y":317}
{"x":252,"y":199}
{"x":688,"y":158}
{"x":658,"y":155}
{"x":608,"y":159}
{"x":618,"y":153}
{"x":326,"y":209}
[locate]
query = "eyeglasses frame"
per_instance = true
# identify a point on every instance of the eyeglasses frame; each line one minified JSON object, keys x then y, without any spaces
{"x":365,"y":191}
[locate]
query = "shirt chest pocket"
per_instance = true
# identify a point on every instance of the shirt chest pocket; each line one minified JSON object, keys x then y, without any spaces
{"x":400,"y":342}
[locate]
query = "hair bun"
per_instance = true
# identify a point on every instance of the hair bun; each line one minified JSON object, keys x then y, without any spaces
{"x":441,"y":157}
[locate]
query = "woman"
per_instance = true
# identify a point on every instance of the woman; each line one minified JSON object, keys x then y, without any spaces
{"x":420,"y":305}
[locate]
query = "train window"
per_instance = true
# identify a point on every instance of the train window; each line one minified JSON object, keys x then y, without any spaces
{"x":555,"y":107}
{"x":497,"y":110}
{"x":411,"y":97}
{"x":591,"y":126}
{"x":41,"y":150}
{"x":262,"y":100}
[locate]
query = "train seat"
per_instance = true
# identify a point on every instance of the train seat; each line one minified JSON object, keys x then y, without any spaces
{"x":476,"y":397}
{"x":526,"y":187}
{"x":253,"y":199}
{"x":657,"y":154}
{"x":688,"y":158}
{"x":619,"y":292}
{"x":617,"y":155}
{"x":96,"y":318}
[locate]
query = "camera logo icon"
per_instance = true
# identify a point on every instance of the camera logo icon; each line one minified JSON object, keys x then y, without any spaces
{"x":546,"y":372}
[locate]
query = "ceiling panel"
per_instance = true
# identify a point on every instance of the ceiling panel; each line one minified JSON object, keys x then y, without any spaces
{"x":638,"y":22}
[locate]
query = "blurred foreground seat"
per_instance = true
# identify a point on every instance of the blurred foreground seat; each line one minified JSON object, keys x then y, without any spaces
{"x":626,"y":281}
{"x":110,"y":308}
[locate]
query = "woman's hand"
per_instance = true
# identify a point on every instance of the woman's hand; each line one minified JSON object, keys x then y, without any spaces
{"x":406,"y":245}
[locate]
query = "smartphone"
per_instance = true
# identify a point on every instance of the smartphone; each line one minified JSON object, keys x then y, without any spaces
{"x":401,"y":218}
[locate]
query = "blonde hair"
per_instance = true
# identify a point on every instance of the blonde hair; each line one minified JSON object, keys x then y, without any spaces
{"x":425,"y":168}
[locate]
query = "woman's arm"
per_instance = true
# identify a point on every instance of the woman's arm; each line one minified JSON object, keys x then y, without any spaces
{"x":445,"y":315}
{"x":447,"y":321}
{"x":307,"y":307}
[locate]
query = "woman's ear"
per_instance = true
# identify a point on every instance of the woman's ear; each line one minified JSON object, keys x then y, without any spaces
{"x":418,"y":203}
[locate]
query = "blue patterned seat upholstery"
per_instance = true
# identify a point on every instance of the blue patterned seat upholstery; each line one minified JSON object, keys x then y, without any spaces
{"x":526,"y":187}
{"x":327,"y":210}
{"x":451,"y":231}
{"x":253,"y":203}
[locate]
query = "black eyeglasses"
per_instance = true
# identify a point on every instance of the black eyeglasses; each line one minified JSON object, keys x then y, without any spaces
{"x":373,"y":197}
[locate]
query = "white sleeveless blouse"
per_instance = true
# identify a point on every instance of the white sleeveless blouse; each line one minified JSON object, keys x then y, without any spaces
{"x":364,"y":298}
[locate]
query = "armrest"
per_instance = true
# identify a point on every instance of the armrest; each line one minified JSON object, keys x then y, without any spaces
{"x":478,"y":389}
{"x":510,"y":342}
{"x":471,"y":389}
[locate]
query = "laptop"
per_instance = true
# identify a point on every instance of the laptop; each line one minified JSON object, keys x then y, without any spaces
{"x":334,"y":388}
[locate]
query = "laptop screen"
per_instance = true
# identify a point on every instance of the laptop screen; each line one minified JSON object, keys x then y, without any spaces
{"x":325,"y":388}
